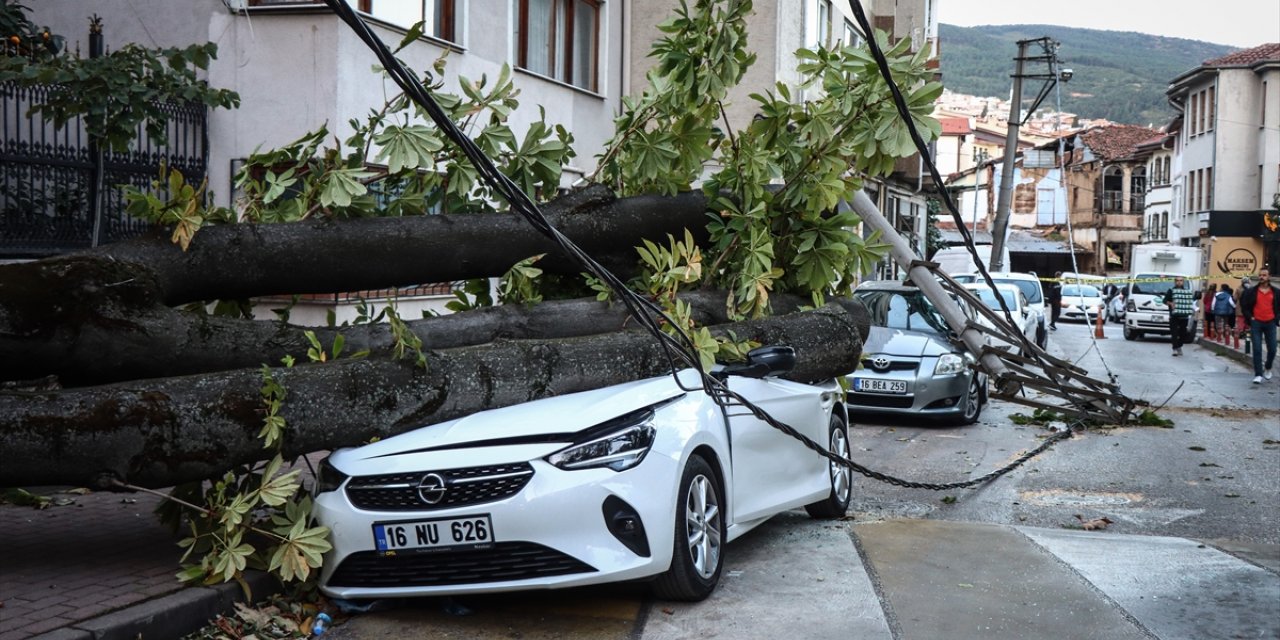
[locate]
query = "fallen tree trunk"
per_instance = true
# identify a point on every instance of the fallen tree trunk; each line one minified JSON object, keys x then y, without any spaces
{"x":162,"y":432}
{"x":237,"y":261}
{"x":101,"y":334}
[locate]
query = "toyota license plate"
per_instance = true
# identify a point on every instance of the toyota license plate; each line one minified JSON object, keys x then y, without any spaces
{"x":879,"y":386}
{"x":471,"y":531}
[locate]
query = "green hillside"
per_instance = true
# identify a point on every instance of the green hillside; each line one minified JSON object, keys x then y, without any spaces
{"x":1118,"y":75}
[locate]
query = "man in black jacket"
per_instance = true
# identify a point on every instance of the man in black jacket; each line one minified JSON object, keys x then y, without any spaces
{"x":1054,"y":298}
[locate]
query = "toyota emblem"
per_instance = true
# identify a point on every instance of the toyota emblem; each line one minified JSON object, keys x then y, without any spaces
{"x":880,"y":363}
{"x":431,"y":488}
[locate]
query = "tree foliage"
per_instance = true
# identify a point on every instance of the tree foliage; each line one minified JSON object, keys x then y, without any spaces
{"x":774,"y":231}
{"x":113,"y":93}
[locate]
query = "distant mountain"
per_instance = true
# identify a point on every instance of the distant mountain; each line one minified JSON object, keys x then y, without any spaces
{"x":1117,"y":75}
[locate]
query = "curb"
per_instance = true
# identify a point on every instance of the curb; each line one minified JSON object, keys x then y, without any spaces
{"x":171,"y":616}
{"x":1223,"y":350}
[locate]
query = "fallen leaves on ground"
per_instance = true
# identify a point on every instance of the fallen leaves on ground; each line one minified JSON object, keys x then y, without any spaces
{"x":1096,"y":524}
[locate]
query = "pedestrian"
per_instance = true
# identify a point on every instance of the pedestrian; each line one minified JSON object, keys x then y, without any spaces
{"x":1224,"y":311}
{"x":1054,"y":298}
{"x":1260,"y":306}
{"x":1182,"y":305}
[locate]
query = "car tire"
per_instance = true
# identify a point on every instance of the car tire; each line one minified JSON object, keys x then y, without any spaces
{"x":841,"y":479}
{"x":972,"y":403}
{"x":698,"y":549}
{"x":1042,"y":338}
{"x":1130,"y":334}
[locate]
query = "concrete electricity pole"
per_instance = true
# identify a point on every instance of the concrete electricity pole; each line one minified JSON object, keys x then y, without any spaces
{"x":1000,"y":227}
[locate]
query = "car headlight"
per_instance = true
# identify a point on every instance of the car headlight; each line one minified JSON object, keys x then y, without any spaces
{"x":328,"y":478}
{"x":1130,"y":306}
{"x":950,"y":363}
{"x":619,"y":449}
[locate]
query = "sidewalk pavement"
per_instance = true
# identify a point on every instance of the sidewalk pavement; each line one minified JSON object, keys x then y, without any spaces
{"x":100,"y":567}
{"x":103,"y":569}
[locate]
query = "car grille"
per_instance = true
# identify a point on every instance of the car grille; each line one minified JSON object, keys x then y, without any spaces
{"x":881,"y":401}
{"x":502,"y":562}
{"x":894,"y":365}
{"x":466,"y":486}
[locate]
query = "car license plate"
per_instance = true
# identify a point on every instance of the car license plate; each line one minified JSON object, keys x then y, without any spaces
{"x":429,"y":534}
{"x":879,"y":386}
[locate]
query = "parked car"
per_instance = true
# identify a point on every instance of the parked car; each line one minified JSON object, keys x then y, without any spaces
{"x":1030,"y":286}
{"x":1028,"y":320}
{"x":1116,"y":308}
{"x":1080,"y":302}
{"x":910,"y":365}
{"x":644,"y":480}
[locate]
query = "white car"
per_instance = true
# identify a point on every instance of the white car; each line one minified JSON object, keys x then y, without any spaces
{"x":1030,"y":286}
{"x":1081,"y":302}
{"x":1026,"y":318}
{"x":635,"y":481}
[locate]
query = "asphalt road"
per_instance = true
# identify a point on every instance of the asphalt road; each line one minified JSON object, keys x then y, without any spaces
{"x":1213,"y":475}
{"x":1005,"y":560}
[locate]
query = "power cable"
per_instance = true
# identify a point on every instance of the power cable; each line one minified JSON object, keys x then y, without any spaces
{"x":678,"y":348}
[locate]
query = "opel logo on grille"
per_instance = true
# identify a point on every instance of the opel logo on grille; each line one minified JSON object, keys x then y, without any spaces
{"x":880,"y":363}
{"x":431,"y":488}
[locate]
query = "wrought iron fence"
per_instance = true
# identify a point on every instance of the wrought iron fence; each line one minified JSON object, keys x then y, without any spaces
{"x":59,"y":192}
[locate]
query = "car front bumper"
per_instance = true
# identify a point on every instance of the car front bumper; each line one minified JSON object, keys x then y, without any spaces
{"x":926,"y":395}
{"x":1147,"y":322}
{"x":551,"y":534}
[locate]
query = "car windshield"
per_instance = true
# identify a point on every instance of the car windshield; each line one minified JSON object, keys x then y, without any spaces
{"x":1151,"y":284}
{"x":988,"y":298}
{"x":1081,"y":290}
{"x":898,"y":310}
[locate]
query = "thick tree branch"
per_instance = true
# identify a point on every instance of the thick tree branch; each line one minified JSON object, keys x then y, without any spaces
{"x":161,"y":432}
{"x":246,"y":260}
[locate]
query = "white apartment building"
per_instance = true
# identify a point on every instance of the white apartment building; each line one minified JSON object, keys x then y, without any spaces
{"x":1229,"y":141}
{"x":297,"y":66}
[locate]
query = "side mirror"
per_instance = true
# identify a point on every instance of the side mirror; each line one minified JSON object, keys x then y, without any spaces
{"x":763,"y":362}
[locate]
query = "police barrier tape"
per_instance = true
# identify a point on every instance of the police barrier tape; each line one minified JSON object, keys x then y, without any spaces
{"x":1125,"y":280}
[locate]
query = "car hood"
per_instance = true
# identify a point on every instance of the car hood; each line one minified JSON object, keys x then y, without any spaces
{"x":546,"y":424}
{"x":901,"y":342}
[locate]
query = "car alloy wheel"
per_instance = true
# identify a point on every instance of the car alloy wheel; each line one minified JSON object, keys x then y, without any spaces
{"x":837,"y":502}
{"x":972,"y":402}
{"x":697,"y":556}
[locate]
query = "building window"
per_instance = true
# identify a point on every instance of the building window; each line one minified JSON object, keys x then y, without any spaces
{"x":1200,"y":115}
{"x":1262,"y":117}
{"x":819,"y":27}
{"x":440,"y":17}
{"x":560,"y":39}
{"x":1208,"y":188}
{"x":851,"y":39}
{"x":1191,"y":117}
{"x":1211,"y":103}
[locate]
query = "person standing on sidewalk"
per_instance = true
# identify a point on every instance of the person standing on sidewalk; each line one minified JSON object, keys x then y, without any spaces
{"x":1182,"y":303}
{"x":1054,"y":298}
{"x":1224,"y":311}
{"x":1260,"y":307}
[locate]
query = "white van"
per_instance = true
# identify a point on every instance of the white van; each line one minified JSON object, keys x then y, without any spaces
{"x":1144,"y":308}
{"x":955,"y":261}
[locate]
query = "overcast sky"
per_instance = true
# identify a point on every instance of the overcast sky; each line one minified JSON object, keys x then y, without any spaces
{"x":1239,"y":23}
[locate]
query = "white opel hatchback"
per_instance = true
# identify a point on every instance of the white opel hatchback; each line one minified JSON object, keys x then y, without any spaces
{"x":641,"y":480}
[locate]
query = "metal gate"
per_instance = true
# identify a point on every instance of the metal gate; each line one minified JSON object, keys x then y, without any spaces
{"x":51,"y":200}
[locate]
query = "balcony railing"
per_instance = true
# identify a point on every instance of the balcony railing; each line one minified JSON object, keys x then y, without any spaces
{"x":1114,"y":201}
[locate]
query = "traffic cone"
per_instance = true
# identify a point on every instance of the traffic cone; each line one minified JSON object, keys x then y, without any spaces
{"x":1097,"y":331}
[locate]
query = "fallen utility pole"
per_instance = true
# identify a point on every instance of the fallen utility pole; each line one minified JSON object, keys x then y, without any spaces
{"x":1012,"y":371}
{"x":1000,"y":227}
{"x":922,"y":277}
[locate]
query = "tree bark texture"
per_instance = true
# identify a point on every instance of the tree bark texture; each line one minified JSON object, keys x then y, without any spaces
{"x":166,"y":431}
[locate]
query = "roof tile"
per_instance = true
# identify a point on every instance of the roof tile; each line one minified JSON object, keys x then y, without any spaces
{"x":1118,"y":140}
{"x":1246,"y":57}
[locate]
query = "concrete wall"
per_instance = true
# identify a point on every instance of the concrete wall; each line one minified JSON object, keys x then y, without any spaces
{"x":1269,"y":139}
{"x":1237,"y":150}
